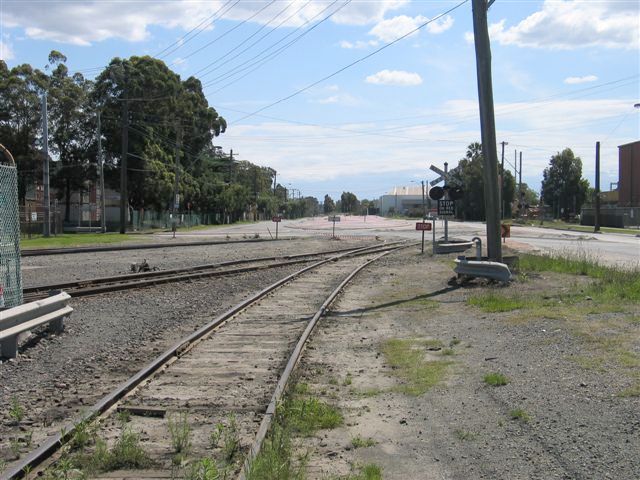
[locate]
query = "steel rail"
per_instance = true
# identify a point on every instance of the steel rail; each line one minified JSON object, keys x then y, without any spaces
{"x":160,"y":273}
{"x":54,"y":442}
{"x":96,"y":286}
{"x":34,"y":252}
{"x":281,"y":387}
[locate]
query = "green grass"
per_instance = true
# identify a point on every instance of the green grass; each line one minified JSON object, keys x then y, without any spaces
{"x":519,"y":414}
{"x":307,"y":415}
{"x":367,"y":393}
{"x":632,"y":391}
{"x":496,"y":379}
{"x":180,"y":433}
{"x":494,"y":302}
{"x":423,"y":302}
{"x":464,"y":435}
{"x":276,"y":461}
{"x":360,"y":442}
{"x":612,"y":284}
{"x":370,"y":471}
{"x":78,"y":239}
{"x":16,"y":411}
{"x":203,"y":469}
{"x":301,"y":388}
{"x":126,"y":453}
{"x":407,"y":359}
{"x":587,"y":228}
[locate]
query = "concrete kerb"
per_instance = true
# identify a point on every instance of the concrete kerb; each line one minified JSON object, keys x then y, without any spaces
{"x":21,"y":319}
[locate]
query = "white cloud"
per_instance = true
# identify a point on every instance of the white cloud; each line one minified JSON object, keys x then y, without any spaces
{"x":358,"y":45}
{"x":398,"y":78}
{"x":331,"y":99}
{"x":576,"y":80}
{"x":343,"y":99}
{"x":6,"y":52}
{"x":441,"y":25}
{"x":87,"y":22}
{"x":571,"y":24}
{"x":340,"y":153}
{"x":392,"y":28}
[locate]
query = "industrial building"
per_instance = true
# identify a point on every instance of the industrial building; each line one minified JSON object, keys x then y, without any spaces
{"x":405,"y":201}
{"x":620,"y":207}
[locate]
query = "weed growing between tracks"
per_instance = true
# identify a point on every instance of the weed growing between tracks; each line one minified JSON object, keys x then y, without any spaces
{"x":300,"y":414}
{"x":87,"y":454}
{"x":180,"y":433}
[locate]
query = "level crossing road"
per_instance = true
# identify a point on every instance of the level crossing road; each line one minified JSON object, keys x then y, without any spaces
{"x":608,"y":248}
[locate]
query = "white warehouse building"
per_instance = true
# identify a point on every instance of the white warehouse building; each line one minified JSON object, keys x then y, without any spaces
{"x":405,"y":200}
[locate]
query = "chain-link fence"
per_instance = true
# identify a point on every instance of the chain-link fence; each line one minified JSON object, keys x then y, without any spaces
{"x":10,"y":274}
{"x":32,"y":220}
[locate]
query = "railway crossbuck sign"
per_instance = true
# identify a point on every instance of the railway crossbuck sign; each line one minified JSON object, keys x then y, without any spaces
{"x":447,"y":176}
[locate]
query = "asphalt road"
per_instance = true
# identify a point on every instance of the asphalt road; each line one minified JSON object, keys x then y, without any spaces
{"x":607,"y":248}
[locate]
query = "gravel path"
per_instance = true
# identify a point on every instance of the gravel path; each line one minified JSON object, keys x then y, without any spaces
{"x":563,"y":414}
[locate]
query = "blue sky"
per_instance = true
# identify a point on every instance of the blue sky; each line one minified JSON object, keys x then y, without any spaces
{"x":565,"y":74}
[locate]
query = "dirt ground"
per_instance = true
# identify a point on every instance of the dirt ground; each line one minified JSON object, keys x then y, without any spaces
{"x":570,"y":409}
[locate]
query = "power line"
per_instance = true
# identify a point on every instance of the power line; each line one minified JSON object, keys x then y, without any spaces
{"x":208,"y":44}
{"x":238,"y":68}
{"x":214,"y":62}
{"x":375,"y":52}
{"x":182,"y":41}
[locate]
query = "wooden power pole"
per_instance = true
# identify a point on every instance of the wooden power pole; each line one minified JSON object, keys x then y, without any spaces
{"x":124,"y":196}
{"x":596,"y":222}
{"x":488,"y":129}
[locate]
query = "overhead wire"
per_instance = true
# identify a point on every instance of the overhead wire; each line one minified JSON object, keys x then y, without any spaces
{"x":235,"y":27}
{"x":214,"y":62}
{"x":241,"y":67}
{"x":182,"y":41}
{"x":355,"y":62}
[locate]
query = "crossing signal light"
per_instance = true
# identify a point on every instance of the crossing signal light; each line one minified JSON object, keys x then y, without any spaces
{"x":436,"y":193}
{"x":456,"y":193}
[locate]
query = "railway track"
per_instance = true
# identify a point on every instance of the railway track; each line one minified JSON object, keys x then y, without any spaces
{"x":94,"y":286}
{"x":35,"y":252}
{"x":206,"y":377}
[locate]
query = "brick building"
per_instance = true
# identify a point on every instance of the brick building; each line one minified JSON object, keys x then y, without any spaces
{"x":629,"y":175}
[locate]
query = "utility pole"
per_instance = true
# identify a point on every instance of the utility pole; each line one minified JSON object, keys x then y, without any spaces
{"x":424,"y":214}
{"x":488,"y":128}
{"x":176,"y":187}
{"x":446,"y":196}
{"x":45,"y":180}
{"x":275,"y":181}
{"x":596,"y":224}
{"x":124,"y":196}
{"x":502,"y":181}
{"x":230,"y":164}
{"x":103,"y":211}
{"x":520,"y":193}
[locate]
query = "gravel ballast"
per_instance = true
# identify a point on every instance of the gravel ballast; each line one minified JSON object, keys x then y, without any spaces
{"x":109,"y":337}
